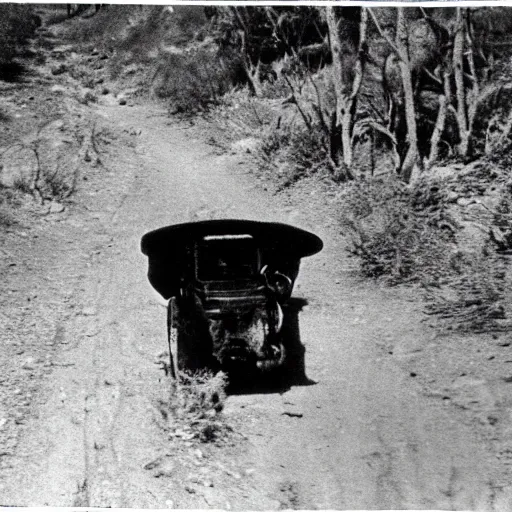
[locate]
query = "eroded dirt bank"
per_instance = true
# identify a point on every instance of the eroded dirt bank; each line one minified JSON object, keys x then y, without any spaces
{"x":361,"y":435}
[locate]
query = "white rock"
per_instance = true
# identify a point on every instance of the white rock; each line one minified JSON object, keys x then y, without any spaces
{"x":56,"y":207}
{"x":29,"y":364}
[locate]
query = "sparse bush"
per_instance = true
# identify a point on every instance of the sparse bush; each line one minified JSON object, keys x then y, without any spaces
{"x":88,"y":97}
{"x":241,"y":115}
{"x":306,"y":152}
{"x":296,"y":151}
{"x":275,"y":89}
{"x":9,"y":201}
{"x":475,"y":298}
{"x":275,"y":141}
{"x":193,"y":81}
{"x":56,"y":185}
{"x":6,"y":217}
{"x":501,"y":231}
{"x":398,"y":233}
{"x":22,"y":185}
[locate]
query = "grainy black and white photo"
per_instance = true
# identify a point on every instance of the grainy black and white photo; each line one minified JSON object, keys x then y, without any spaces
{"x":256,"y":257}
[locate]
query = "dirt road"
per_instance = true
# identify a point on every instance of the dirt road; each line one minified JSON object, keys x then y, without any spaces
{"x":361,"y":435}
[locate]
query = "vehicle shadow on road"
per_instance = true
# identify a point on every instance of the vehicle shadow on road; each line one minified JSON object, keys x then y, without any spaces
{"x":293,"y":373}
{"x":13,"y":72}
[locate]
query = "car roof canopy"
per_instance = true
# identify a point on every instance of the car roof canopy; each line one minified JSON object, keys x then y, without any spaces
{"x":283,"y":239}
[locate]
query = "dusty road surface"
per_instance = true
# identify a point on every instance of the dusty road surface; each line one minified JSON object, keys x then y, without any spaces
{"x":361,"y":434}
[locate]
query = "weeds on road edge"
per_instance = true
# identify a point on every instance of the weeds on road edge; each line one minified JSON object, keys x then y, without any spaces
{"x":193,"y":410}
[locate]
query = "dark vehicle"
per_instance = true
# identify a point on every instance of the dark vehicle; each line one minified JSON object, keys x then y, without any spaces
{"x":227,"y":282}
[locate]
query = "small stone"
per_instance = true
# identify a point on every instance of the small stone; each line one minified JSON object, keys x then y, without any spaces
{"x":452,"y":196}
{"x":56,"y":207}
{"x":464,"y":201}
{"x":89,"y":311}
{"x":29,"y":364}
{"x":58,"y":89}
{"x":293,"y":414}
{"x":122,"y":101}
{"x":154,"y":463}
{"x":58,"y":70}
{"x":105,"y":91}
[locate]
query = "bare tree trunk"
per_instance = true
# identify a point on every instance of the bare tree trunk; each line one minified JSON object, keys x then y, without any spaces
{"x":444,"y":101}
{"x":253,"y":74}
{"x":402,"y":45}
{"x":438,"y":131}
{"x":472,"y":97}
{"x":346,"y":98}
{"x":460,"y":91}
{"x":401,"y":49}
{"x":252,"y":71}
{"x":337,"y":71}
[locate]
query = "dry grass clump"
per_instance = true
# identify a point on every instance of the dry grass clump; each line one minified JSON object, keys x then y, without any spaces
{"x":194,"y":408}
{"x":477,"y":295}
{"x":398,"y":233}
{"x":476,"y":298}
{"x":296,"y":153}
{"x":6,"y":217}
{"x":406,"y":234}
{"x":9,"y":202}
{"x":501,"y":231}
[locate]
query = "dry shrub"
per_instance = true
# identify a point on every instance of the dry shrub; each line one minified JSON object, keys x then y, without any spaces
{"x":302,"y":155}
{"x":476,"y":296}
{"x":398,"y":233}
{"x":276,"y":88}
{"x":406,"y":234}
{"x":242,"y":115}
{"x":192,"y":81}
{"x":194,"y":409}
{"x":9,"y":202}
{"x":501,"y":230}
{"x":6,"y":217}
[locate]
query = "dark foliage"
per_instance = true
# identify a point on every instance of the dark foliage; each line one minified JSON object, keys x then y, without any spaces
{"x":193,"y":81}
{"x":18,"y":23}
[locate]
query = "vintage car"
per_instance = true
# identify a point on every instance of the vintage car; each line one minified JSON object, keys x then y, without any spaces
{"x":226,"y":282}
